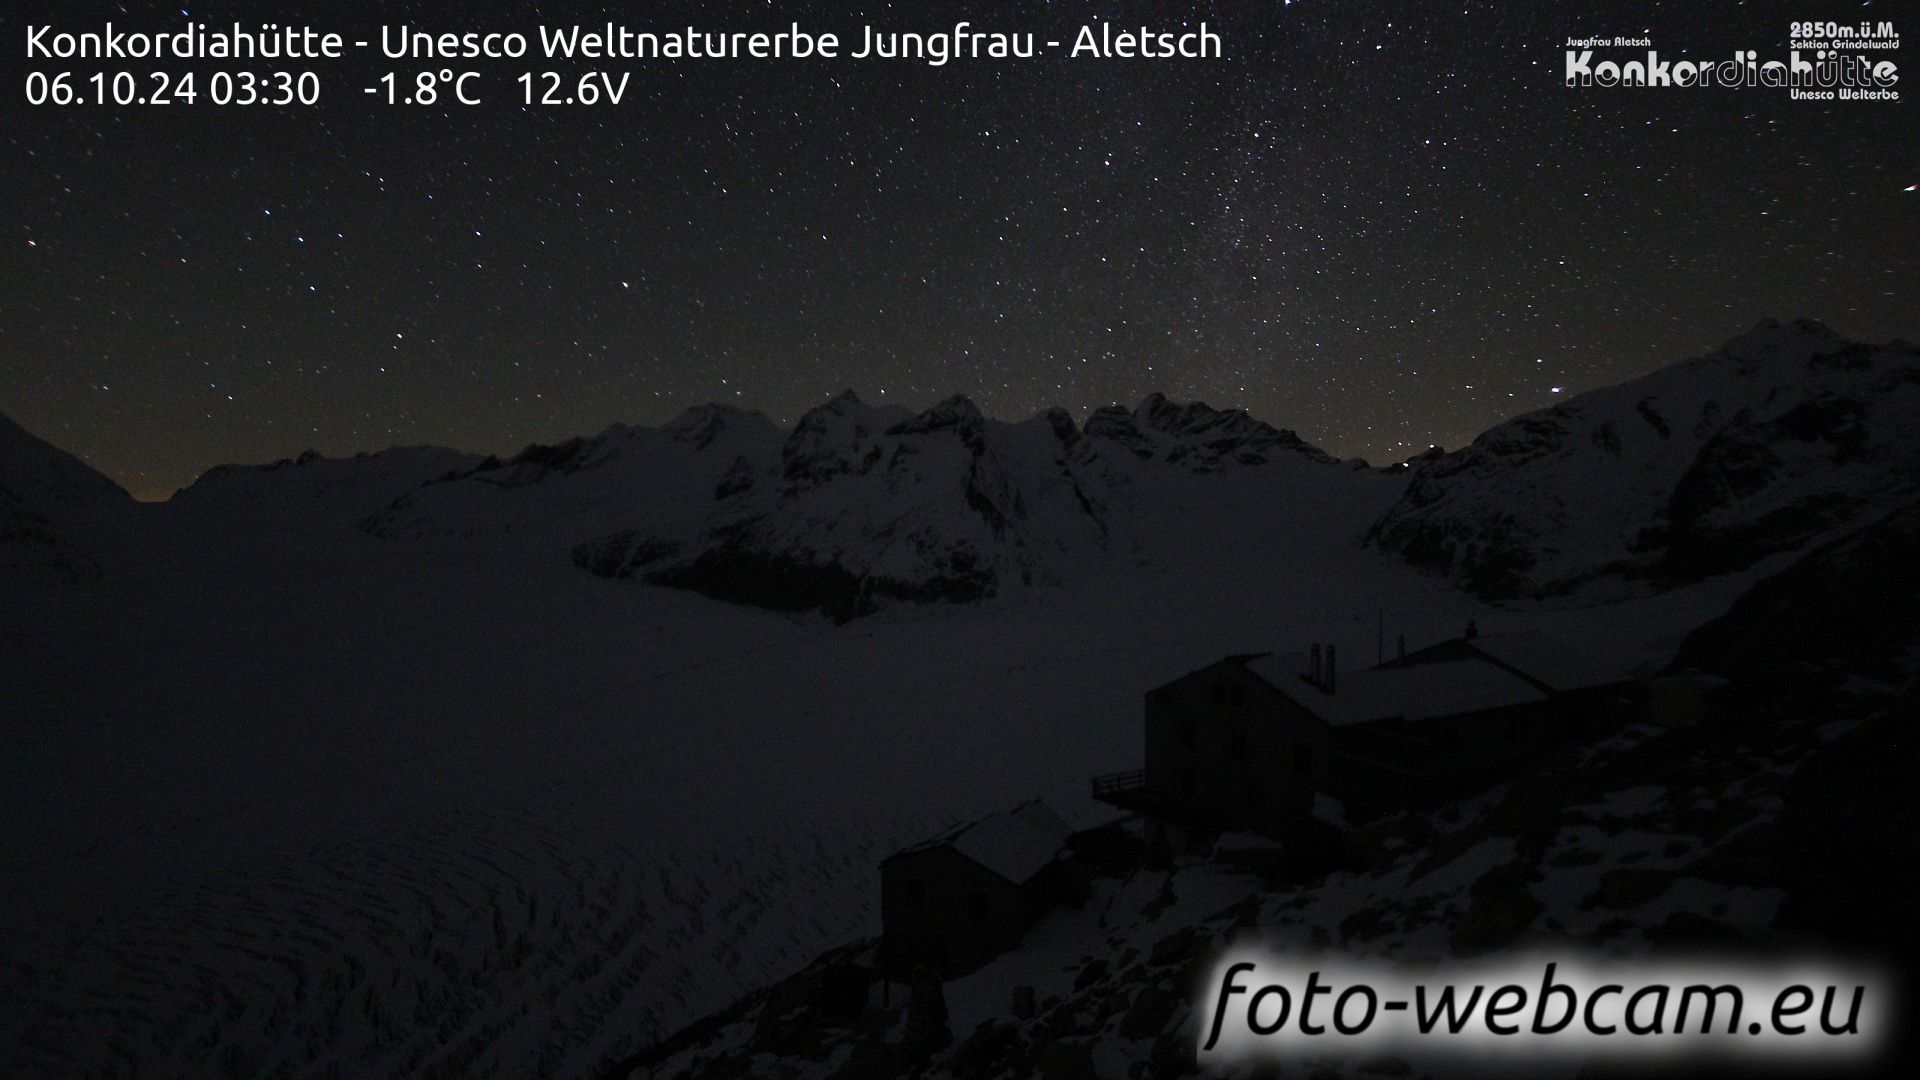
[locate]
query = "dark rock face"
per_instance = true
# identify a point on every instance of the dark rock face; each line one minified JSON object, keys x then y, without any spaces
{"x":1705,"y":532}
{"x":619,"y":555}
{"x":738,"y":478}
{"x":770,"y":580}
{"x":1783,"y":436}
{"x":30,"y":545}
{"x":1850,"y":607}
{"x":566,"y":457}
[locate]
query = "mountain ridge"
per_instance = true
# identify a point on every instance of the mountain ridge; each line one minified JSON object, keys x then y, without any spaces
{"x":1704,"y":467}
{"x":1707,"y":466}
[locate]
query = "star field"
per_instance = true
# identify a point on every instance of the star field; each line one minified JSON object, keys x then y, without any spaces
{"x":1385,"y":225}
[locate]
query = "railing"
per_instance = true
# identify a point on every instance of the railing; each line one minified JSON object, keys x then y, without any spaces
{"x":1119,"y":784}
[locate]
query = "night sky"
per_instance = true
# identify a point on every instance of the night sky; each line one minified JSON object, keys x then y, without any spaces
{"x":1382,"y":225}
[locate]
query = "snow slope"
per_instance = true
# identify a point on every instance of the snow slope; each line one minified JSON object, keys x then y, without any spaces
{"x":56,"y":512}
{"x":1782,"y":436}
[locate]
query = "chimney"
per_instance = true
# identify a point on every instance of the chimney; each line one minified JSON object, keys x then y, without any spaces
{"x":1313,"y":665}
{"x":1329,"y":683}
{"x":1403,"y":646}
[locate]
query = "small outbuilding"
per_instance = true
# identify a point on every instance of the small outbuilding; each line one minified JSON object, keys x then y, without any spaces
{"x":958,"y":900}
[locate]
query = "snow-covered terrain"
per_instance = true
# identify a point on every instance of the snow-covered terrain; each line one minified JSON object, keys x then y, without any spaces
{"x":365,"y":767}
{"x":1786,"y":819}
{"x":1783,"y":435}
{"x":273,"y":776}
{"x":56,"y":513}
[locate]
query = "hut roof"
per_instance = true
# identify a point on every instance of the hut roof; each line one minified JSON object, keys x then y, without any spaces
{"x":1410,"y":692}
{"x":1015,"y":844}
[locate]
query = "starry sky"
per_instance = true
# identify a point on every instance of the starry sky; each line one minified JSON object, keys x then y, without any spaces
{"x":1385,"y":225}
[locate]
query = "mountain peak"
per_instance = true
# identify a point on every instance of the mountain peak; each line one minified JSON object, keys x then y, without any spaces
{"x":1196,"y":434}
{"x":1152,"y":403}
{"x":956,"y":413}
{"x":1771,"y":338}
{"x":35,"y":471}
{"x":702,"y":424}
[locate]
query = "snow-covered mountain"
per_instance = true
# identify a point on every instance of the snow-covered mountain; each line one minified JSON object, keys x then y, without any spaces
{"x":864,"y":505}
{"x":858,"y":506}
{"x":313,"y":489}
{"x":55,"y":510}
{"x":661,"y":480}
{"x":1778,"y":438}
{"x":1197,"y":435}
